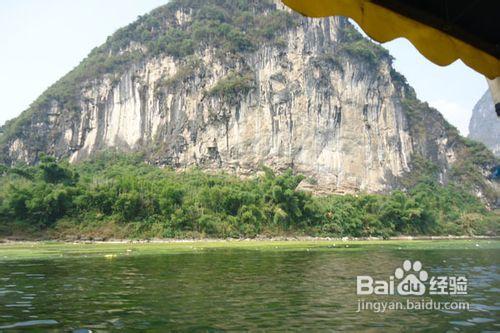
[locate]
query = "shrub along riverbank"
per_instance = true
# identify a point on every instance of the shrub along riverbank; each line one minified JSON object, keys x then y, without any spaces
{"x":117,"y":196}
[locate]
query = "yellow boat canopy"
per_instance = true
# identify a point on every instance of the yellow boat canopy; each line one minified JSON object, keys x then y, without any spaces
{"x":442,"y":30}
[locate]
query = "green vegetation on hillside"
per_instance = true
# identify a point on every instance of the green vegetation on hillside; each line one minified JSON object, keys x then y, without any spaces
{"x":233,"y":87}
{"x":225,"y":25}
{"x":361,"y":48}
{"x":426,"y":124}
{"x":115,"y":196}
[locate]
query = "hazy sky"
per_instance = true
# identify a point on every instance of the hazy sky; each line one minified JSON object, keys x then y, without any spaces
{"x":41,"y":40}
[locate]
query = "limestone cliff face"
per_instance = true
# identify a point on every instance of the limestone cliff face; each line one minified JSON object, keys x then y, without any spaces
{"x":484,"y":125}
{"x":312,"y":99}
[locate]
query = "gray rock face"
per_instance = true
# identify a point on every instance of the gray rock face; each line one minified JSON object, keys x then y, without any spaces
{"x":303,"y":103}
{"x":484,"y":125}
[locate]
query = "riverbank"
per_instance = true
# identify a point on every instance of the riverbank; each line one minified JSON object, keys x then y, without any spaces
{"x":256,"y":239}
{"x":116,"y":249}
{"x":120,"y":197}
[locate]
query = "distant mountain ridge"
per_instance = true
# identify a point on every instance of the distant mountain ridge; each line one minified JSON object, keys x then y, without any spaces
{"x":484,"y":125}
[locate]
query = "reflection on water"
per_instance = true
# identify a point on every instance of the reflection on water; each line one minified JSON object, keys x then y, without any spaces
{"x":226,"y":290}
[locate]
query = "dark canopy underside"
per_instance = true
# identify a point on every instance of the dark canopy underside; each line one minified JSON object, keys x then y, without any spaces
{"x":476,"y":22}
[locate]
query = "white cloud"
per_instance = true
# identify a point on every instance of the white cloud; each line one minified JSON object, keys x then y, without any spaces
{"x":456,"y":114}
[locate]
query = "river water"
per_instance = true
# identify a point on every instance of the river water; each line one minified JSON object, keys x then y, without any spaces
{"x":234,"y":290}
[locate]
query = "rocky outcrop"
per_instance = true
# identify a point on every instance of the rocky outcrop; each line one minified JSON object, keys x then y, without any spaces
{"x":484,"y":125}
{"x":317,"y":98}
